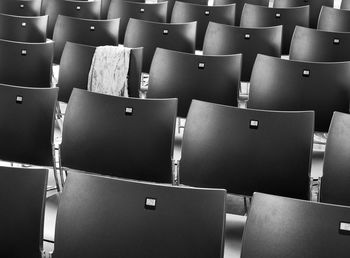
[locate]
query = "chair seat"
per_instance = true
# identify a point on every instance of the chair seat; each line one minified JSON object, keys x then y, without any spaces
{"x":233,"y":235}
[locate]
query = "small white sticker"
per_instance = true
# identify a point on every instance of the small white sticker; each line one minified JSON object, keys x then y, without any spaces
{"x":151,"y":202}
{"x":345,"y":226}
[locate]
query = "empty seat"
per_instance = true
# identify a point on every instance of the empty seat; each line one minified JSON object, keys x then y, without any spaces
{"x":223,"y":39}
{"x":278,"y":84}
{"x":72,"y":8}
{"x":245,"y":150}
{"x":23,"y":28}
{"x":336,"y":177}
{"x":187,"y":76}
{"x":100,"y":216}
{"x":284,"y":227}
{"x":26,"y":64}
{"x":84,"y":31}
{"x":315,"y":7}
{"x":127,"y":137}
{"x":143,"y":11}
{"x":261,"y":16}
{"x":171,"y":4}
{"x":20,"y":7}
{"x":239,"y":6}
{"x":319,"y":46}
{"x":332,"y":19}
{"x":22,"y":197}
{"x":150,"y":35}
{"x":26,"y":134}
{"x":187,"y":12}
{"x":75,"y":66}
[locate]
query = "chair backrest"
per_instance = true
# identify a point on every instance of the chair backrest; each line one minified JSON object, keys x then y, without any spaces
{"x":284,"y":227}
{"x":23,"y":28}
{"x":100,"y":216}
{"x":84,"y":31}
{"x":245,"y":150}
{"x":143,"y":11}
{"x":315,"y":7}
{"x":171,"y":4}
{"x":319,"y":46}
{"x":150,"y":35}
{"x":261,"y":16}
{"x":239,"y":6}
{"x":72,"y":8}
{"x":75,"y":66}
{"x":187,"y":76}
{"x":336,"y":176}
{"x":345,"y":4}
{"x":223,"y":39}
{"x":279,"y":84}
{"x":22,"y":197}
{"x":26,"y":64}
{"x":26,"y":135}
{"x":332,"y":19}
{"x":130,"y":138}
{"x":187,"y":12}
{"x":20,"y":7}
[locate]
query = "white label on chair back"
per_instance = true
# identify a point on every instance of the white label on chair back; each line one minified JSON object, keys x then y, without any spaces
{"x":23,"y":24}
{"x":207,"y":13}
{"x":21,"y":6}
{"x":150,"y":203}
{"x":201,"y":65}
{"x":306,"y":73}
{"x":344,"y":228}
{"x":19,"y":99}
{"x":92,"y":28}
{"x":253,"y":124}
{"x":336,"y":41}
{"x":165,"y":32}
{"x":128,"y":111}
{"x":23,"y":52}
{"x":142,"y":10}
{"x":278,"y":15}
{"x":247,"y":36}
{"x":78,"y":7}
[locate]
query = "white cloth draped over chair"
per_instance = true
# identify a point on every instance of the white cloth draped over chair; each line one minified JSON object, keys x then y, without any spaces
{"x":109,"y":71}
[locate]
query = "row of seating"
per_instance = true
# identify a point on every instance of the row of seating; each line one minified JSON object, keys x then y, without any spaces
{"x":133,"y":138}
{"x":100,"y":217}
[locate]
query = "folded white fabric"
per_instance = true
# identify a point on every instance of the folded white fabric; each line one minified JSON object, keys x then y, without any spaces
{"x":109,"y":71}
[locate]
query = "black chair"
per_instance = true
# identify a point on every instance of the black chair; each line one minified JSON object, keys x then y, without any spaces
{"x":26,"y":64}
{"x":239,"y":6}
{"x":261,"y":16}
{"x":20,"y":7}
{"x":150,"y":35}
{"x":84,"y":31}
{"x":72,"y":8}
{"x":345,"y":4}
{"x":26,"y":134}
{"x":319,"y":46}
{"x":187,"y":76}
{"x":75,"y":66}
{"x":278,"y":84}
{"x":336,"y":177}
{"x":106,"y":4}
{"x":100,"y":216}
{"x":284,"y":227}
{"x":187,"y":12}
{"x":332,"y":19}
{"x":23,"y":28}
{"x":223,"y":39}
{"x":22,"y":197}
{"x":244,"y":150}
{"x":315,"y":7}
{"x":125,"y":10}
{"x":117,"y":136}
{"x":171,"y":4}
